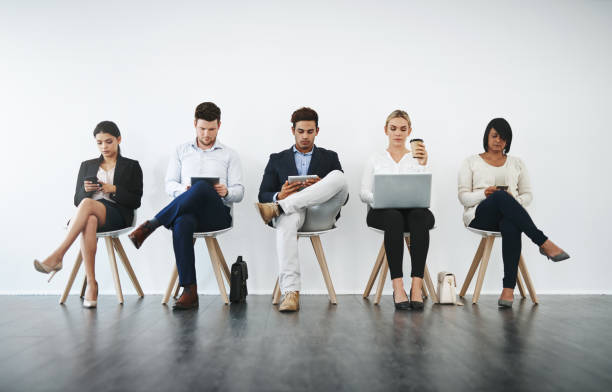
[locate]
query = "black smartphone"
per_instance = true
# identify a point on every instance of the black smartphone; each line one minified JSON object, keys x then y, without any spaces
{"x":92,"y":179}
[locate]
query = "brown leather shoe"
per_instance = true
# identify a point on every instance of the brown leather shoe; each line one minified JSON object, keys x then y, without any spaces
{"x":188,"y":299}
{"x":268,"y":211}
{"x":291,"y":302}
{"x":140,"y":234}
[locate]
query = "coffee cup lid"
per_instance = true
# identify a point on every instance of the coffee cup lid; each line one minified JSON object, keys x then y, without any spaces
{"x":416,"y":140}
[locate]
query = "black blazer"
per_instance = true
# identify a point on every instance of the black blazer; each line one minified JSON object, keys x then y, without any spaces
{"x":282,"y":165}
{"x":127,"y":179}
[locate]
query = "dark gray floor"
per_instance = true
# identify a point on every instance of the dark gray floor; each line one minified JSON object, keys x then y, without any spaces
{"x":565,"y":343}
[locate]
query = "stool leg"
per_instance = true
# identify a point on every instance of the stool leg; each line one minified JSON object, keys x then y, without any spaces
{"x":381,"y":280}
{"x":276,"y":294}
{"x":113,"y":264}
{"x":483,"y":268}
{"x":173,"y":279}
{"x":528,"y":281}
{"x":430,"y":286}
{"x":216,"y":266}
{"x":177,"y":288}
{"x":375,"y":270}
{"x":473,"y":267}
{"x":84,"y":287}
{"x":73,"y":274}
{"x":318,"y":249}
{"x":226,"y":270}
{"x":128,"y":267}
{"x":519,"y":283}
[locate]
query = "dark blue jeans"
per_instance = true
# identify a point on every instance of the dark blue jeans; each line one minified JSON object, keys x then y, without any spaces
{"x":501,"y":212}
{"x":196,"y":210}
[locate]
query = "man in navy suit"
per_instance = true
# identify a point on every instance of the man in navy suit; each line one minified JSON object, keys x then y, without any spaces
{"x":294,"y":206}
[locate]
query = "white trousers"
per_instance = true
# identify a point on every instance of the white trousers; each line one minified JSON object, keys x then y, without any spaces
{"x":326,"y":196}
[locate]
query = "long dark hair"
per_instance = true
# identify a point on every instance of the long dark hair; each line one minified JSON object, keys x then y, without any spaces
{"x":108,"y":127}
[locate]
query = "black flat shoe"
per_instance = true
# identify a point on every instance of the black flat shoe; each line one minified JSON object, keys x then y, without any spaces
{"x":416,"y":305}
{"x":401,"y":305}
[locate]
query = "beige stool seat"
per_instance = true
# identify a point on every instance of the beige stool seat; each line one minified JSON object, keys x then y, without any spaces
{"x":315,"y":239}
{"x":216,"y":259}
{"x":483,"y":253}
{"x":112,"y":243}
{"x":381,"y":265}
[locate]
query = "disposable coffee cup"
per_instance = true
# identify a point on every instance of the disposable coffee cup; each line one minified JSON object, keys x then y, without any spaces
{"x":414,"y":143}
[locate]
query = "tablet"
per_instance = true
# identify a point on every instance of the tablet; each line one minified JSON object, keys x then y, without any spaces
{"x":211,"y":180}
{"x":292,"y":179}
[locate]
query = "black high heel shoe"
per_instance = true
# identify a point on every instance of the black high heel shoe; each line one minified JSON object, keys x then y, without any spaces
{"x":416,"y":305}
{"x":401,"y":305}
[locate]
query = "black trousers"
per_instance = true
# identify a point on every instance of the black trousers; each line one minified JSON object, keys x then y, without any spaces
{"x":196,"y":210}
{"x":502,"y":212}
{"x":394,"y":222}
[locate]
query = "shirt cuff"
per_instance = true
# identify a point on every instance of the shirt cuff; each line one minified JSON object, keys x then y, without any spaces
{"x":274,"y":199}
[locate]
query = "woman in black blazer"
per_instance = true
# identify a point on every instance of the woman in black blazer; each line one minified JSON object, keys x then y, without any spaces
{"x":108,"y":190}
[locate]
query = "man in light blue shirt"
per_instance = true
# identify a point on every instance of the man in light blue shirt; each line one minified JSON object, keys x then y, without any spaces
{"x":201,"y":205}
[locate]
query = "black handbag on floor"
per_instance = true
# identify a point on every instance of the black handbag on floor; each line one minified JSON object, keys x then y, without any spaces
{"x":238,"y":286}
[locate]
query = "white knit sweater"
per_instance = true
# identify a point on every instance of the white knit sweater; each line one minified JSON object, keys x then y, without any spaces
{"x":476,"y":175}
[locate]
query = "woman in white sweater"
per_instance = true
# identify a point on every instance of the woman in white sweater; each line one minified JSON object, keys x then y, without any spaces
{"x":397,"y":159}
{"x":494,"y":188}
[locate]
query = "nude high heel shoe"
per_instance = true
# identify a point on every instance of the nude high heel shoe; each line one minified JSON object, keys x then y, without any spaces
{"x":40,"y":267}
{"x":89,"y":304}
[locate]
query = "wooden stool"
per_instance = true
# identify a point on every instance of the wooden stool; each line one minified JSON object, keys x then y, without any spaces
{"x":216,"y":259}
{"x":381,"y":264}
{"x":318,"y":249}
{"x":483,"y":253}
{"x":112,"y":243}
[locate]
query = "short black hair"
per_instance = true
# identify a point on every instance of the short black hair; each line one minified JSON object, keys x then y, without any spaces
{"x":208,"y":111}
{"x":503,"y":129}
{"x":305,"y":114}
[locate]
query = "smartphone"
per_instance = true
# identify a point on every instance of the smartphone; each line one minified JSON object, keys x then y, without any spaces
{"x":92,"y":179}
{"x":502,"y":187}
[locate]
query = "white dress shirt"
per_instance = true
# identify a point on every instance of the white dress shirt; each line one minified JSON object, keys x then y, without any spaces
{"x":189,"y":160}
{"x":382,"y":163}
{"x":476,"y":175}
{"x":106,"y":177}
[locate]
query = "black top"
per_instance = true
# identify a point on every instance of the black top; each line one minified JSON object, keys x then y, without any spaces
{"x":127,"y":179}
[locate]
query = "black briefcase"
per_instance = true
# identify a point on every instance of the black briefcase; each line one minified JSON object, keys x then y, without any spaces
{"x":238,"y":286}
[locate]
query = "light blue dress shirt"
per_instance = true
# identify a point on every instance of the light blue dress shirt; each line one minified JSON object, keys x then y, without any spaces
{"x":302,"y":163}
{"x":189,"y":160}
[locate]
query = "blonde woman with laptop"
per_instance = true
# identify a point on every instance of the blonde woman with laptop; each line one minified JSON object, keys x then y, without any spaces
{"x":397,"y":158}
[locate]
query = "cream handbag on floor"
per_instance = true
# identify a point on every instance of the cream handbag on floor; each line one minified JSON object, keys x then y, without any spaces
{"x":447,"y":288}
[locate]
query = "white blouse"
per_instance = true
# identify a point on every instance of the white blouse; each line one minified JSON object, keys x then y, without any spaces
{"x":382,"y":163}
{"x":476,"y":175}
{"x":107,"y":178}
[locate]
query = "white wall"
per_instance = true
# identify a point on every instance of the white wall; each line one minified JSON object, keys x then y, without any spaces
{"x":452,"y":65}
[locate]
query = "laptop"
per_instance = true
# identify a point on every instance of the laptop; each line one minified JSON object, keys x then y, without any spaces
{"x":402,"y":190}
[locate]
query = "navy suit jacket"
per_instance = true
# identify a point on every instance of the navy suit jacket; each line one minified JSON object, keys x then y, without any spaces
{"x":282,"y":165}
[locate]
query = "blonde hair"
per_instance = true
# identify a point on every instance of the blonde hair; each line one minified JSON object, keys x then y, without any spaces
{"x":398,"y":113}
